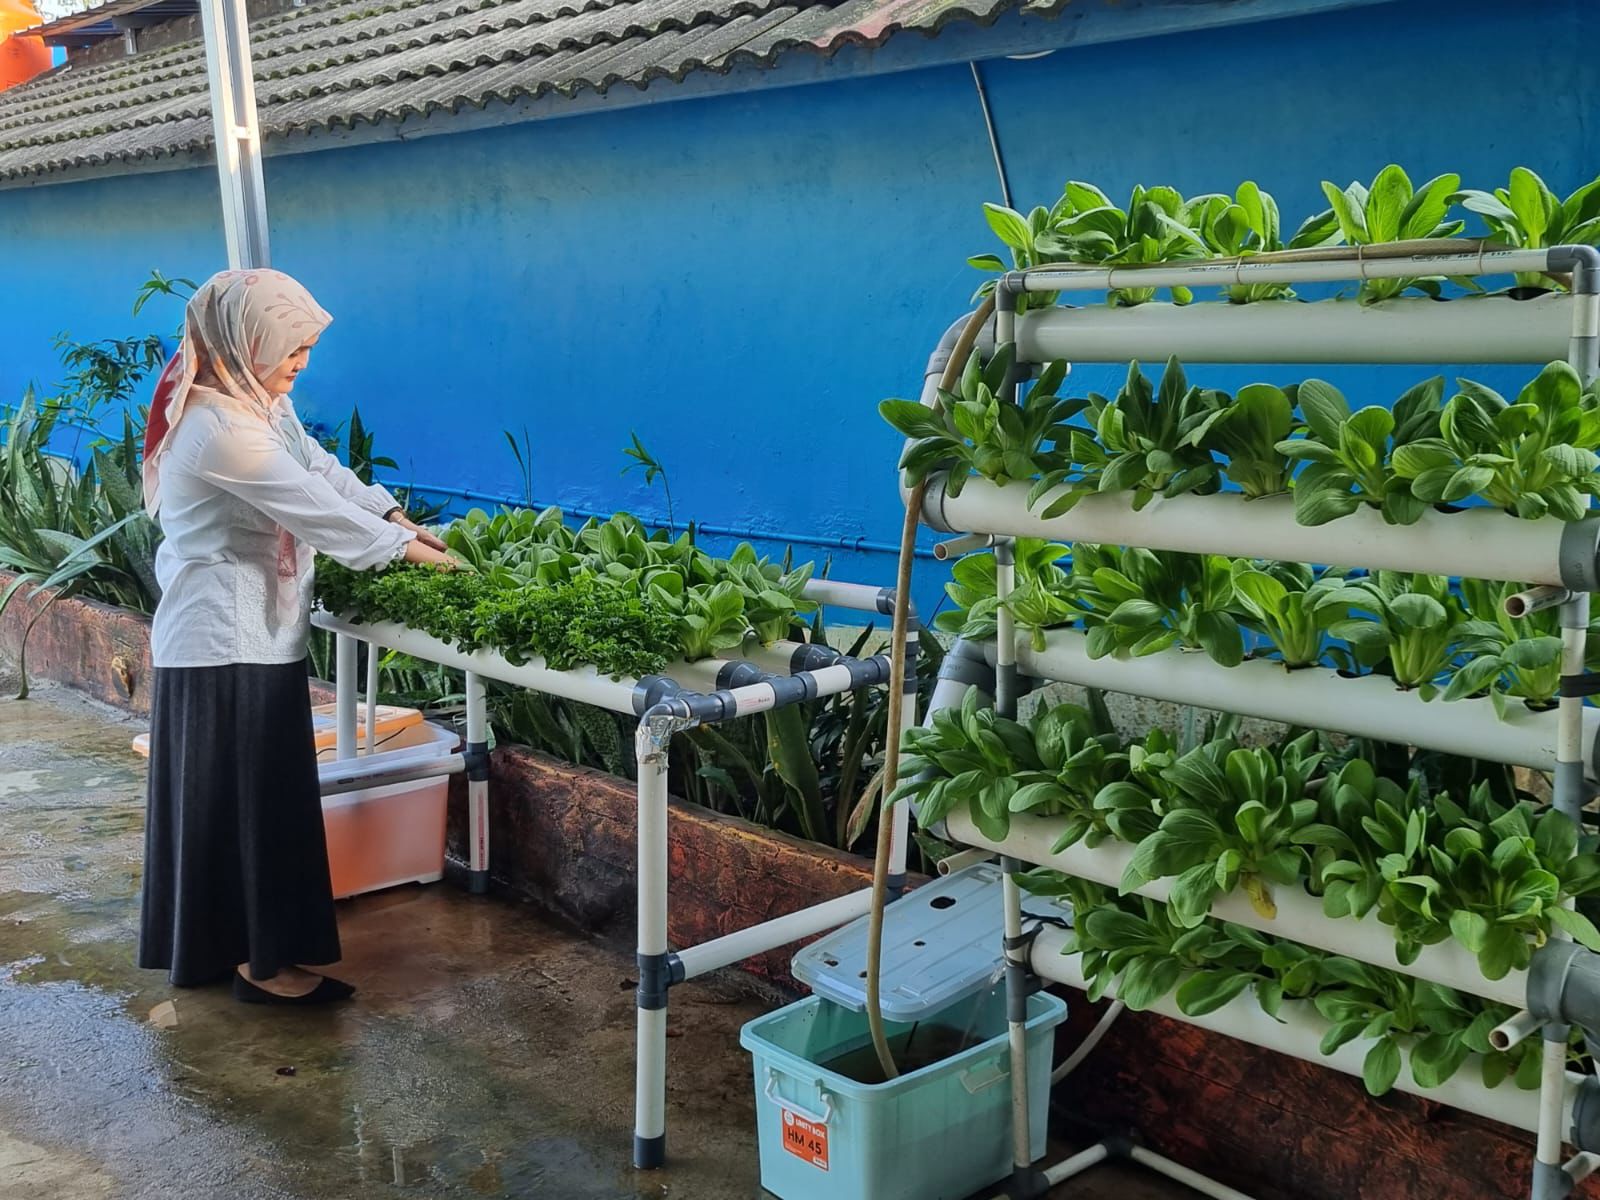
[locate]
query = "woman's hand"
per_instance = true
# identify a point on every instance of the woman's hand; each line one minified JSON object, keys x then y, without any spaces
{"x":431,"y":540}
{"x":418,"y":551}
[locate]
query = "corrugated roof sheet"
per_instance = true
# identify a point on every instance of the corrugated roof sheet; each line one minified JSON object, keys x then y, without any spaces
{"x":350,"y":61}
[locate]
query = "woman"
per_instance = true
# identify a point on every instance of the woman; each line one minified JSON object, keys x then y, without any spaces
{"x":236,"y":865}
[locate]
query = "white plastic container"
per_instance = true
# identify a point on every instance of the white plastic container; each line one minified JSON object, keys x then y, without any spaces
{"x":386,"y":836}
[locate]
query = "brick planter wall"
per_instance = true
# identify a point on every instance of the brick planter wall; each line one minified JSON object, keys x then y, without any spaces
{"x":563,"y":837}
{"x":96,"y":648}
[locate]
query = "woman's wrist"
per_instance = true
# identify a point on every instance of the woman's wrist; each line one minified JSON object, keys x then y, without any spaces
{"x":397,"y":511}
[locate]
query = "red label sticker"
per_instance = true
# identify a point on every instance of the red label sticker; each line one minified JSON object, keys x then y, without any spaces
{"x":805,"y":1139}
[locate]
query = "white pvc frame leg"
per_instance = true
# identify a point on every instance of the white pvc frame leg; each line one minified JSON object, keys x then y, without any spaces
{"x":650,"y":1080}
{"x":477,"y":784}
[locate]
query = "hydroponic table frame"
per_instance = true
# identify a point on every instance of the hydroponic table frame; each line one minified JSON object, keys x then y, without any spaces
{"x":764,"y":678}
{"x":1560,"y":988}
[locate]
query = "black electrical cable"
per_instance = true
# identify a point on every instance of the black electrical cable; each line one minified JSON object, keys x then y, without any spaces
{"x":994,"y":138}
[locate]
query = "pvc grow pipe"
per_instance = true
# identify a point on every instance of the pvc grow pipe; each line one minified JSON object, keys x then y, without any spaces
{"x":581,"y":683}
{"x":1486,"y":329}
{"x":1368,"y":706}
{"x":961,"y":860}
{"x":1514,"y":1030}
{"x":769,"y":935}
{"x":858,"y":596}
{"x":1299,"y":918}
{"x":1334,"y":265}
{"x":1480,"y":543}
{"x":1299,"y":1033}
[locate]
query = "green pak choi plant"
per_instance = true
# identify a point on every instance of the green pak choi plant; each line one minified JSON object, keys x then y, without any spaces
{"x":1138,"y":442}
{"x":1246,"y":225}
{"x":1388,"y":211}
{"x":1349,"y":454}
{"x":1411,"y":627}
{"x":1246,"y":431}
{"x":1508,"y":658}
{"x":1231,"y":815}
{"x":975,"y":432}
{"x":1284,"y":603}
{"x":1137,"y":602}
{"x":1532,"y":458}
{"x":1527,"y":215}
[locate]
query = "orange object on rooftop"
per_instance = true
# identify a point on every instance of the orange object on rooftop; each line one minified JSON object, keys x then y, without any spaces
{"x":21,"y":57}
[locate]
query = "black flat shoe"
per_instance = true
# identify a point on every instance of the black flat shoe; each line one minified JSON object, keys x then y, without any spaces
{"x":326,"y":992}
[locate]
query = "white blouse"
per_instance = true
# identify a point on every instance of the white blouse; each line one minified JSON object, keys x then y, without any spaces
{"x":229,"y":482}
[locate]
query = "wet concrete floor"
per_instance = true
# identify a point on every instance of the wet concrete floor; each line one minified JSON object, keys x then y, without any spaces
{"x":487,"y":1054}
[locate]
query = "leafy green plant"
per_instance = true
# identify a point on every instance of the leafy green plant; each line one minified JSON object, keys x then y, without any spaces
{"x":1532,"y":458}
{"x":1040,"y":599}
{"x":1350,"y":453}
{"x":1246,"y":225}
{"x":1137,"y":602}
{"x":1389,"y":211}
{"x":74,"y":559}
{"x":1156,"y":227}
{"x":1509,"y":658}
{"x":48,"y":509}
{"x":1231,"y":815}
{"x":1411,"y":627}
{"x":1020,"y":236}
{"x":1360,"y":816}
{"x":1284,"y":603}
{"x":1138,"y":442}
{"x":1246,"y":431}
{"x":1134,"y":946}
{"x":966,"y":756}
{"x":1494,"y":882}
{"x":1527,"y":215}
{"x":653,"y":470}
{"x":975,"y":432}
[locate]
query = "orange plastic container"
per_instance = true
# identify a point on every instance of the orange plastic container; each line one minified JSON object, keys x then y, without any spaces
{"x":386,"y":836}
{"x":324,"y":726}
{"x":21,"y":58}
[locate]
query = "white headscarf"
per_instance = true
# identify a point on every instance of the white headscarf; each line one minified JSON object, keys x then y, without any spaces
{"x":246,"y":323}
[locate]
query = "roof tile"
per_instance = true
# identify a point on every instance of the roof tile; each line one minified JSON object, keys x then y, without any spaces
{"x":343,"y":62}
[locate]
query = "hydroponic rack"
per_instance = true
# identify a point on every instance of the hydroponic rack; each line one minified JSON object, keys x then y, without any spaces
{"x":1562,"y":986}
{"x":763,"y":678}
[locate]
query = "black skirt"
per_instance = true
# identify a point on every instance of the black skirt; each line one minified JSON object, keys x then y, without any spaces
{"x":235,"y":858}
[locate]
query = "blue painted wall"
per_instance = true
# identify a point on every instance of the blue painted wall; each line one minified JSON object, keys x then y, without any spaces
{"x":740,"y":279}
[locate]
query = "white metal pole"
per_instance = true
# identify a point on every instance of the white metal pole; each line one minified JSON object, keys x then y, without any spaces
{"x":650,"y":1081}
{"x":477,"y":782}
{"x":373,"y":654}
{"x":237,"y":131}
{"x":344,"y":695}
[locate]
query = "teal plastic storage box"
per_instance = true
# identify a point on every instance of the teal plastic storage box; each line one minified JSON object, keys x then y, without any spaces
{"x":939,"y":1133}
